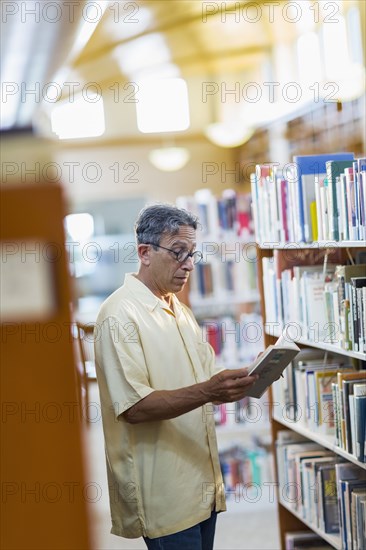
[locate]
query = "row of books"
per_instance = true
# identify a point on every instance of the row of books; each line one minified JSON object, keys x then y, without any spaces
{"x":315,"y":198}
{"x":248,"y":412}
{"x":244,"y":470}
{"x":323,"y":303}
{"x":326,"y":491}
{"x":235,"y":342}
{"x":304,"y":540}
{"x":327,"y":395}
{"x":225,"y":216}
{"x":221,"y":277}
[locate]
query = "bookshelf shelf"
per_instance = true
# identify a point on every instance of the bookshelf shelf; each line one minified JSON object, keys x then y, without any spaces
{"x":328,"y":347}
{"x":322,"y":439}
{"x":334,"y":540}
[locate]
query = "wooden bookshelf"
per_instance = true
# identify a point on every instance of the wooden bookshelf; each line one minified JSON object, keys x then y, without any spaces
{"x":319,"y":127}
{"x":289,"y":519}
{"x":227,"y":298}
{"x":41,"y":437}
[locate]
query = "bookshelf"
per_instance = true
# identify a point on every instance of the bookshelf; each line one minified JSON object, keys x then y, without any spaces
{"x":41,"y":439}
{"x":284,"y":255}
{"x":224,"y":298}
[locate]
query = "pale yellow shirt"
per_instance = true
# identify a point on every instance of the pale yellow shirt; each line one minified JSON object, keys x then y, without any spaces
{"x":164,"y":476}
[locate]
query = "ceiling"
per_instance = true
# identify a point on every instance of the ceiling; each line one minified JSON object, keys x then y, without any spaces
{"x":110,"y":45}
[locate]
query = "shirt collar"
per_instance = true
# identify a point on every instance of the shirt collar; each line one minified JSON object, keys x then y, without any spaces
{"x":139,"y":289}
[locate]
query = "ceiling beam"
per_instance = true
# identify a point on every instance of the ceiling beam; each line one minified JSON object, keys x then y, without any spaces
{"x":169,"y":26}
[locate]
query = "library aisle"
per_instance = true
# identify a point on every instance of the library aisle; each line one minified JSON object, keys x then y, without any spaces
{"x":245,"y":526}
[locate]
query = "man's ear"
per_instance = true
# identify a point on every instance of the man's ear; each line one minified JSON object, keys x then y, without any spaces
{"x":143,"y":251}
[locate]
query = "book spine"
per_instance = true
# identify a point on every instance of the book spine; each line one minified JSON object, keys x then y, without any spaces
{"x":364,"y":317}
{"x":354,"y":317}
{"x":344,"y":208}
{"x":303,"y":221}
{"x":330,"y":502}
{"x":360,"y":427}
{"x":332,"y":204}
{"x":254,"y":206}
{"x":324,"y":207}
{"x":362,"y":195}
{"x":336,"y":413}
{"x":318,"y":210}
{"x":357,"y":201}
{"x":361,"y":334}
{"x":351,"y":200}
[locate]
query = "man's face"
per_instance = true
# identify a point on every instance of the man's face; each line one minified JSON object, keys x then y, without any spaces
{"x":168,"y":274}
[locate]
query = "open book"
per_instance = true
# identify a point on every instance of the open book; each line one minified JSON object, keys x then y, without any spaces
{"x":270,"y":365}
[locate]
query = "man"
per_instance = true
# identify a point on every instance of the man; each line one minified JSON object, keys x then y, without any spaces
{"x":157,"y":381}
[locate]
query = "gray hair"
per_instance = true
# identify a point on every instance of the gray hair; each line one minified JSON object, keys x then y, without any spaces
{"x":155,"y":220}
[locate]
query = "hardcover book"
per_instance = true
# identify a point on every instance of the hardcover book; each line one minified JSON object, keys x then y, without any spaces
{"x":270,"y":365}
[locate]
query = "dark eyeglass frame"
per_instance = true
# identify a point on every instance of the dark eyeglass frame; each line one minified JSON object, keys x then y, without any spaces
{"x":196,"y":255}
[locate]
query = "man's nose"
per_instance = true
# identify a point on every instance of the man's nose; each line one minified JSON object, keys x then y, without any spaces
{"x":188,"y":264}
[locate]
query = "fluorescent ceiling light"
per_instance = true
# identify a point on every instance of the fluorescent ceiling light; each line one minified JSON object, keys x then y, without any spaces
{"x":162,"y":105}
{"x":169,"y":159}
{"x":226,"y":134}
{"x":81,"y":119}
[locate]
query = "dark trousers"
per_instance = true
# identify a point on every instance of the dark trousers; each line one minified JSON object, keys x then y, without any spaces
{"x":198,"y":537}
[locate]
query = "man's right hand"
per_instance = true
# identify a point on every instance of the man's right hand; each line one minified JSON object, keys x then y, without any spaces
{"x":229,"y":385}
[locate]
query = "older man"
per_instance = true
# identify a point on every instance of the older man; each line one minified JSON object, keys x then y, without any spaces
{"x":157,"y":379}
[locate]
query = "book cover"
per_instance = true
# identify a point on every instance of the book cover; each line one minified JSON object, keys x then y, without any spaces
{"x":329,"y":498}
{"x":270,"y":365}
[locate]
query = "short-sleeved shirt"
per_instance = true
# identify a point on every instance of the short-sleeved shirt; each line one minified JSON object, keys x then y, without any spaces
{"x":164,"y":476}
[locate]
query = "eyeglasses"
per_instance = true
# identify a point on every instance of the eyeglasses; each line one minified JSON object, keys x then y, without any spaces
{"x":182,"y":255}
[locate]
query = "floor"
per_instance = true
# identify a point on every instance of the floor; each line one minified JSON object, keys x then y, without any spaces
{"x":245,"y":526}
